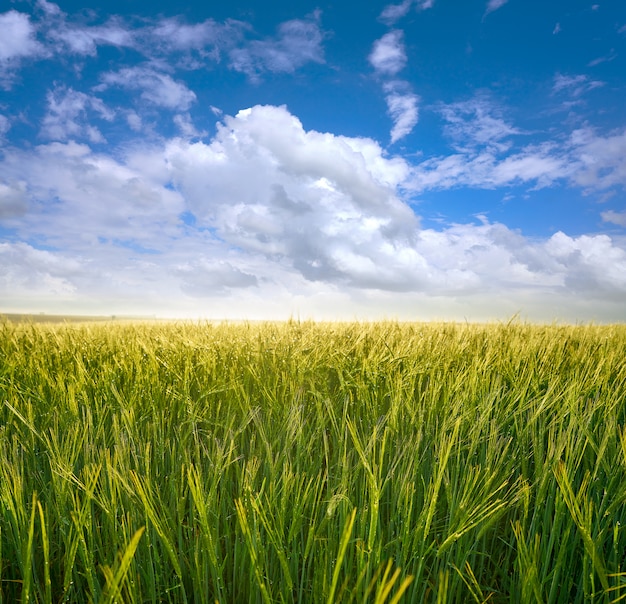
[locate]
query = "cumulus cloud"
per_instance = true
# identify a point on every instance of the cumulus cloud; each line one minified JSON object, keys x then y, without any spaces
{"x":290,"y":217}
{"x":68,"y":115}
{"x":402,"y":105}
{"x":588,"y":262}
{"x":297,"y":43}
{"x":156,"y":87}
{"x":388,"y":56}
{"x":325,"y":204}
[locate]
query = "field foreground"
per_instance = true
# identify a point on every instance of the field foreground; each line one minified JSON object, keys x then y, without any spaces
{"x":305,"y":462}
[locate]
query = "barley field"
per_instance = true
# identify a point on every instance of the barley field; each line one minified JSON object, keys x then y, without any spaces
{"x":307,"y":462}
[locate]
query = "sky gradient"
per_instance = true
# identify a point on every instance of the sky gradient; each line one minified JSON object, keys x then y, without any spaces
{"x":428,"y":159}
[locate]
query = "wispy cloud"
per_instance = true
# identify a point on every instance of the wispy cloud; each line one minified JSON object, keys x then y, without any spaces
{"x":187,"y":127}
{"x":575,"y":85}
{"x":156,"y":87}
{"x":65,"y":36}
{"x":171,"y":40}
{"x":604,"y":59}
{"x":388,"y":55}
{"x":494,"y":5}
{"x":68,"y":115}
{"x":585,"y":159}
{"x":5,"y":125}
{"x":485,"y":169}
{"x":394,"y":12}
{"x":296,"y":43}
{"x":208,"y":37}
{"x":618,"y":218}
{"x":402,"y":105}
{"x":476,"y":122}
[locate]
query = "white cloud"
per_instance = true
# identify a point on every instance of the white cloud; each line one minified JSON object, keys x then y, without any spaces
{"x":156,"y":87}
{"x":85,"y":40}
{"x":209,"y":37}
{"x":402,"y":105}
{"x":618,"y":218}
{"x":205,"y":277}
{"x":600,"y":160}
{"x":292,"y":220}
{"x":18,"y":37}
{"x":25,"y":270}
{"x":586,"y":159}
{"x":323,"y":204}
{"x":186,"y":126}
{"x":574,"y":85}
{"x":494,"y":5}
{"x":134,"y":121}
{"x":603,"y":59}
{"x":476,"y":122}
{"x":591,"y":262}
{"x":297,"y":43}
{"x":81,"y":38}
{"x":538,"y":166}
{"x":557,"y":29}
{"x":388,"y":56}
{"x":79,"y":197}
{"x":13,"y":200}
{"x":5,"y":125}
{"x":17,"y":42}
{"x":394,"y":12}
{"x":68,"y":112}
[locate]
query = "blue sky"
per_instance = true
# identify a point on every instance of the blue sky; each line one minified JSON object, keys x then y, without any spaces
{"x":425,"y":159}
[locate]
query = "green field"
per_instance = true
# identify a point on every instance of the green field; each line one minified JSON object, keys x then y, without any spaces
{"x":304,"y":462}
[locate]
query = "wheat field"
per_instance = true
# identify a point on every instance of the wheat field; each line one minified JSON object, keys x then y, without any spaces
{"x":308,"y":462}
